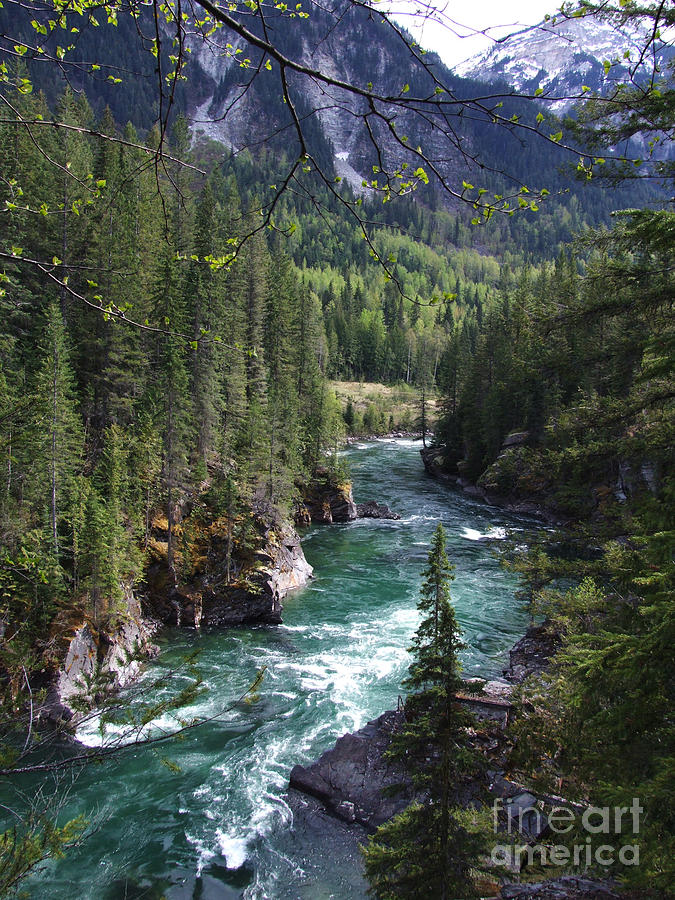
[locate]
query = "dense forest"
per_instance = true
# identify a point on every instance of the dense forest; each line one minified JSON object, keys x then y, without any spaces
{"x":107,"y":417}
{"x":164,"y":348}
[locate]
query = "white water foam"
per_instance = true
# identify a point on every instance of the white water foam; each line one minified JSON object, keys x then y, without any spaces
{"x":233,"y":848}
{"x":399,"y":442}
{"x":408,"y":520}
{"x":204,"y":853}
{"x":494,"y":533}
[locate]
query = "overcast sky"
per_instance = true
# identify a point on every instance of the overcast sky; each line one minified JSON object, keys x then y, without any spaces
{"x":455,"y":39}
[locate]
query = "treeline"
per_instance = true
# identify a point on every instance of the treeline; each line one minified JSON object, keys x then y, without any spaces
{"x":152,"y":345}
{"x":578,"y":362}
{"x":575,"y":355}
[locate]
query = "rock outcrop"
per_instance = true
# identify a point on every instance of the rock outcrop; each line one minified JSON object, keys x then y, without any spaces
{"x":327,"y":500}
{"x":351,"y":779}
{"x":235,"y":575}
{"x":99,"y":662}
{"x":433,"y":459}
{"x":532,"y":654}
{"x":280,"y":567}
{"x":358,"y":783}
{"x":373,"y":510}
{"x":495,"y":485}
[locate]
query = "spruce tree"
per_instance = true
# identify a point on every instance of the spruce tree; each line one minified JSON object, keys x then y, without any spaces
{"x":426,"y":852}
{"x":172,"y":395}
{"x":59,"y":445}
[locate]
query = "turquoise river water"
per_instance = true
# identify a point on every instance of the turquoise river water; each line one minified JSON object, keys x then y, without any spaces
{"x":221,"y":827}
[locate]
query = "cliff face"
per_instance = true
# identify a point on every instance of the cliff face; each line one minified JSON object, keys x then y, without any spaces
{"x":229,"y":571}
{"x":99,"y":661}
{"x":326,"y":500}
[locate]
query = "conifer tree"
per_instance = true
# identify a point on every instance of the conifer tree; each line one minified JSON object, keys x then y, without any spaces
{"x":204,"y":293}
{"x":124,"y":356}
{"x":171,"y":386}
{"x":60,"y":432}
{"x":426,"y":851}
{"x":73,"y":186}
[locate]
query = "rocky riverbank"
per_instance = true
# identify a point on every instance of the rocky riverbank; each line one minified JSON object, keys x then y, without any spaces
{"x":228,"y":572}
{"x":231,"y":572}
{"x":540,"y":506}
{"x":98,"y":661}
{"x":532,"y":654}
{"x":359,"y":785}
{"x":522,"y":480}
{"x":357,"y":782}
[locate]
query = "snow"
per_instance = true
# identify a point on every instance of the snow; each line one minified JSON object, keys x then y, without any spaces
{"x":552,"y":51}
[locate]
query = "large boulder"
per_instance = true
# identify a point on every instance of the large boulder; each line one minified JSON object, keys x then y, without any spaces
{"x":359,"y":783}
{"x":355,"y":780}
{"x":373,"y":510}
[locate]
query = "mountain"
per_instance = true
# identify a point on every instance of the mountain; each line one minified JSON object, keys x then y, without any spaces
{"x":236,"y":97}
{"x":238,"y":107}
{"x":562,"y":57}
{"x":233,"y":95}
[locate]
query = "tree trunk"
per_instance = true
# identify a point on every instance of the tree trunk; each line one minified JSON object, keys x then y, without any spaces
{"x":53,"y":460}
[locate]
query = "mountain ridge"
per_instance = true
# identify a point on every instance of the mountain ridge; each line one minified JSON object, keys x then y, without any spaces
{"x":565,"y":57}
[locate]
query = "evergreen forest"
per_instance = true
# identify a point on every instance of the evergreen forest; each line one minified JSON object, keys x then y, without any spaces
{"x":168,"y":354}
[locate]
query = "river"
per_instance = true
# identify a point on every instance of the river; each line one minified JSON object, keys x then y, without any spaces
{"x":220,"y":827}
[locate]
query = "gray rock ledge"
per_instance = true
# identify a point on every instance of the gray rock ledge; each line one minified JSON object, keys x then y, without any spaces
{"x":354,"y":779}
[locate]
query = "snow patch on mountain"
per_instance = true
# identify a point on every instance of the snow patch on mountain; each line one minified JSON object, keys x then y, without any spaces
{"x":561,"y":56}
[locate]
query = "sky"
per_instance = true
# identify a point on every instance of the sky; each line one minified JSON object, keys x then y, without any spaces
{"x":452,"y":30}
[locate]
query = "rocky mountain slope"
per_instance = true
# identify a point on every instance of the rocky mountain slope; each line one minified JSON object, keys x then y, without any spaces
{"x":240,"y":101}
{"x":563,"y":57}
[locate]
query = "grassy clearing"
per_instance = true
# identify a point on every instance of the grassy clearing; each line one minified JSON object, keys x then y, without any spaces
{"x":381,"y":408}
